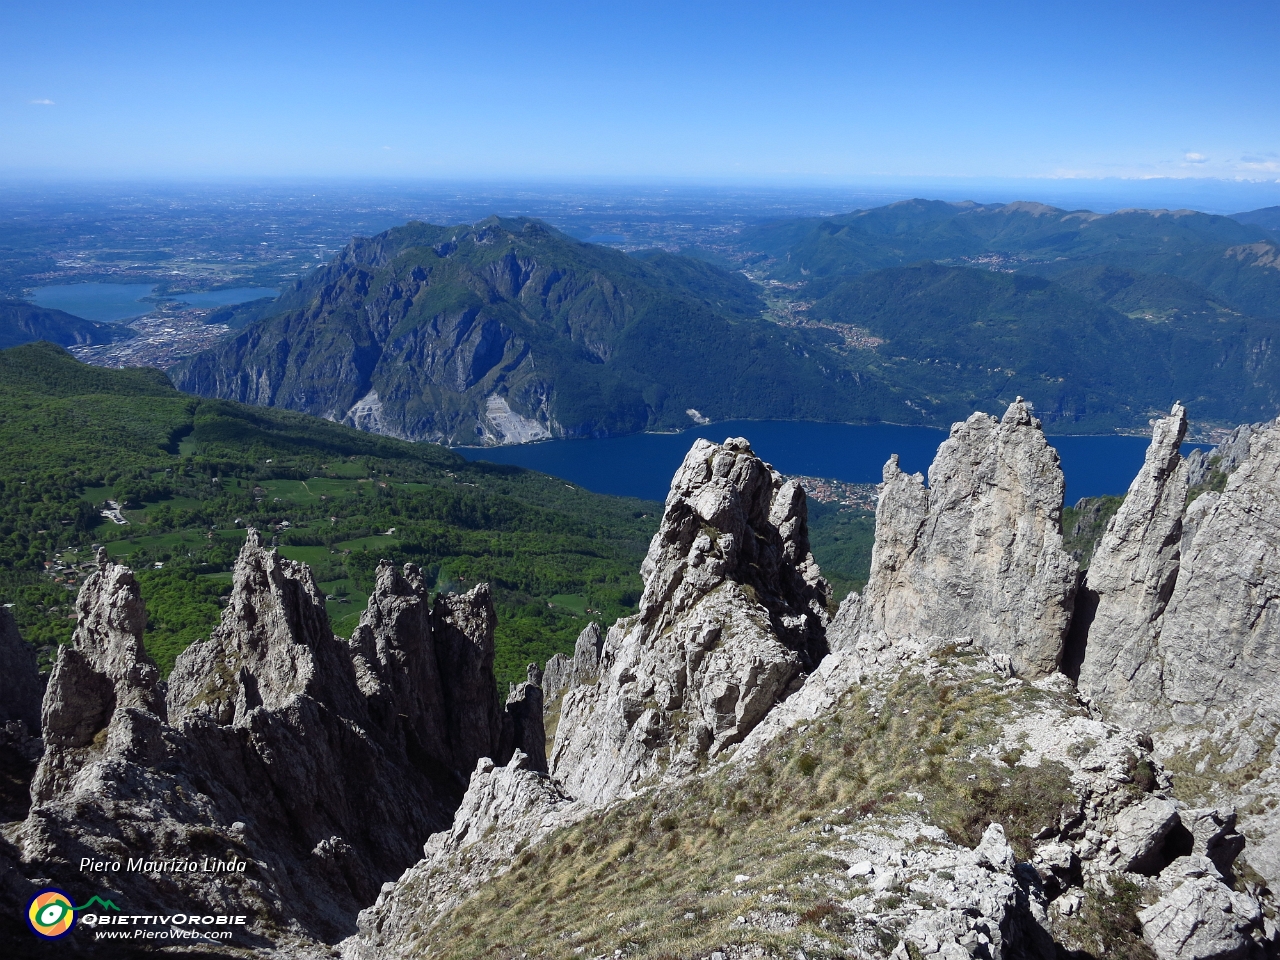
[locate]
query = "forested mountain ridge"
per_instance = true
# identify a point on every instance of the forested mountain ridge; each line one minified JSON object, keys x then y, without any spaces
{"x":22,"y":322}
{"x":189,"y":475}
{"x":918,"y":313}
{"x":509,"y":330}
{"x":1237,"y":261}
{"x":956,"y":333}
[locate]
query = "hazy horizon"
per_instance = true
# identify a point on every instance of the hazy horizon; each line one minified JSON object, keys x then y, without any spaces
{"x":821,"y":94}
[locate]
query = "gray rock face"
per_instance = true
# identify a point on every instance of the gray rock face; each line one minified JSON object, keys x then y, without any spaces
{"x":1186,"y":620}
{"x":563,"y":672}
{"x":1129,"y":582}
{"x":733,"y":613}
{"x":525,"y":733}
{"x":979,"y":552}
{"x":322,"y":765}
{"x":1200,"y":919}
{"x":21,"y":689}
{"x":1222,"y":621}
{"x":505,"y":809}
{"x":1225,"y":457}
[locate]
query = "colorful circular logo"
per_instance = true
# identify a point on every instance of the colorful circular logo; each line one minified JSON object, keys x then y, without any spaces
{"x":51,"y":914}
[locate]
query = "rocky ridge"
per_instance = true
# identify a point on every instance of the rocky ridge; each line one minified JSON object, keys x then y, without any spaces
{"x":732,"y":615}
{"x":993,"y":508}
{"x":912,"y":777}
{"x":315,"y":766}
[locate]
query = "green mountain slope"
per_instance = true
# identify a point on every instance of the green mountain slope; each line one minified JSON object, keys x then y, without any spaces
{"x":509,"y":330}
{"x":191,"y":474}
{"x":22,"y":322}
{"x":1236,"y":261}
{"x":959,"y":338}
{"x":1268,"y":217}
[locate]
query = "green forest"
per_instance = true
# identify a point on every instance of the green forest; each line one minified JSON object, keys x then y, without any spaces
{"x":192,"y":474}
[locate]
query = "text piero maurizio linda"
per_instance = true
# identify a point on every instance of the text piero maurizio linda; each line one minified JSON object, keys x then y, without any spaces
{"x":174,"y":865}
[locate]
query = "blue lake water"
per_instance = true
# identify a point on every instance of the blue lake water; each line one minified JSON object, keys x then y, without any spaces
{"x":225,"y":298}
{"x":103,"y":302}
{"x":111,"y":302}
{"x":642,"y":465}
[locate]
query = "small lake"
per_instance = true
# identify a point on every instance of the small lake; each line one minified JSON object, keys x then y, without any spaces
{"x":103,"y":302}
{"x":642,"y":465}
{"x":112,"y":302}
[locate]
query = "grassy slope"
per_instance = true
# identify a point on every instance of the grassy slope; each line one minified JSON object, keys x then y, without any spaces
{"x":670,"y":873}
{"x":76,"y":435}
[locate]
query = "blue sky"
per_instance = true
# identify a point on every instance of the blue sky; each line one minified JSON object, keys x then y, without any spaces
{"x":705,"y":91}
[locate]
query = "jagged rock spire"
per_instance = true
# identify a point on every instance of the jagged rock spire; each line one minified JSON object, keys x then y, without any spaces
{"x":733,"y":613}
{"x":1129,"y":581}
{"x":979,"y":552}
{"x":324,"y":764}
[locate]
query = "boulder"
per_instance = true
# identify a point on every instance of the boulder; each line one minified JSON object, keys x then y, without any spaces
{"x":1140,"y":833}
{"x":1200,"y":919}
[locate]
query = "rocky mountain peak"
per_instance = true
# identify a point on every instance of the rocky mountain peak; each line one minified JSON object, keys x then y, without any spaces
{"x":943,"y":553}
{"x":1129,"y":582}
{"x":274,"y":643}
{"x":733,"y":613}
{"x":730,"y":517}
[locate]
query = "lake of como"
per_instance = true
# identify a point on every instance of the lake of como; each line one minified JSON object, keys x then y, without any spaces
{"x":642,"y":465}
{"x":112,"y":302}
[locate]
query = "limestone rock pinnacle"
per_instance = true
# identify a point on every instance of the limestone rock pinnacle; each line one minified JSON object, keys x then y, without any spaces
{"x":733,"y":612}
{"x":977,"y":553}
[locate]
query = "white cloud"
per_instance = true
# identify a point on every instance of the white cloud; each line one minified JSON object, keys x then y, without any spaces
{"x":42,"y":103}
{"x":1196,"y":158}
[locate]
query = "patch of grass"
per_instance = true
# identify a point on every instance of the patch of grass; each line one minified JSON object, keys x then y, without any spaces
{"x":629,"y":878}
{"x":1107,"y":924}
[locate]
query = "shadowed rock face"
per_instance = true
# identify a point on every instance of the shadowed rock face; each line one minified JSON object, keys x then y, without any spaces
{"x":322,"y":765}
{"x":21,"y":689}
{"x":733,"y":614}
{"x":21,"y":693}
{"x":979,"y":552}
{"x":1129,"y":581}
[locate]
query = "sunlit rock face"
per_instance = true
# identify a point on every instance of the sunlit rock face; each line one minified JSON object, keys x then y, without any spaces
{"x":732,"y":616}
{"x":978,"y":553}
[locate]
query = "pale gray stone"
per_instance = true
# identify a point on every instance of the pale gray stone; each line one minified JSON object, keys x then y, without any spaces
{"x":1201,"y":919}
{"x":1129,"y":582}
{"x":733,"y":613}
{"x":1140,"y":833}
{"x":979,"y":552}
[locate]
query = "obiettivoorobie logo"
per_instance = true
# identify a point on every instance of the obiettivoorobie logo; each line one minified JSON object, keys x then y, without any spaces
{"x":52,"y":916}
